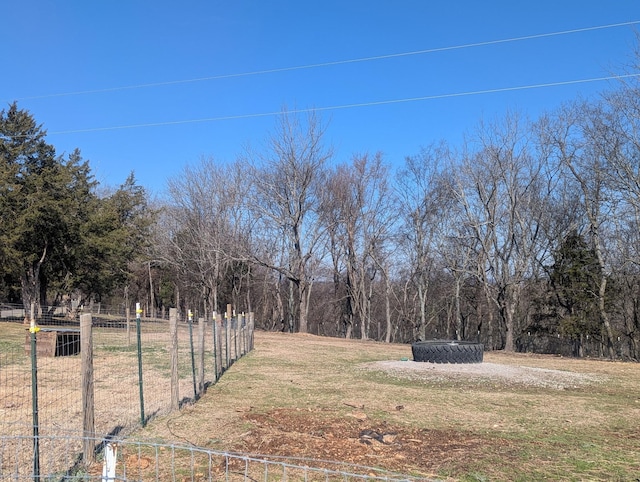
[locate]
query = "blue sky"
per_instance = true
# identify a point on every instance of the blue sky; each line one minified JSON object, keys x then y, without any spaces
{"x":152,"y":86}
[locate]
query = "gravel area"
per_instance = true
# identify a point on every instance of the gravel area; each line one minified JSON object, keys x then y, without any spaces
{"x":485,"y":372}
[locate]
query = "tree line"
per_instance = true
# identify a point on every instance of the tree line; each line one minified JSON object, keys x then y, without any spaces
{"x":524,"y":237}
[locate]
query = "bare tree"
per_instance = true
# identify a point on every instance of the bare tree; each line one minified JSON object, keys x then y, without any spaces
{"x":199,"y":233}
{"x":456,"y":245}
{"x":422,"y":191}
{"x":284,"y":199}
{"x":358,"y":216}
{"x":620,"y":137}
{"x":577,"y":135}
{"x":498,"y":188}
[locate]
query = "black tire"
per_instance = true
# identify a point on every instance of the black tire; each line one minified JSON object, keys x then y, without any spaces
{"x":442,"y":351}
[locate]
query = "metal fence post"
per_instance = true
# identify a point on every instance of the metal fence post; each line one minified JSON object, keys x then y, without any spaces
{"x":138,"y":313}
{"x":201,"y":376}
{"x":193,"y":359}
{"x":173,"y":335}
{"x":33,"y":329}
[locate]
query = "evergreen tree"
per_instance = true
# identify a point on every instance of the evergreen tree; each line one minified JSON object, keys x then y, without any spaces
{"x":574,"y":279}
{"x":57,"y":235}
{"x":38,"y":201}
{"x":114,"y":235}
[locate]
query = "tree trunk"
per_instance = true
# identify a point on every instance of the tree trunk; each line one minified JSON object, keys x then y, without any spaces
{"x":303,"y":305}
{"x":30,"y":284}
{"x":291,"y":308}
{"x":422,"y":327}
{"x":302,"y":327}
{"x":279,"y":303}
{"x":364,"y":322}
{"x":458,"y":312}
{"x":490,"y":319}
{"x":152,"y":307}
{"x":349,"y":331}
{"x":511,"y":304}
{"x":602,"y":289}
{"x":509,"y":344}
{"x":387,"y":303}
{"x":604,"y":316}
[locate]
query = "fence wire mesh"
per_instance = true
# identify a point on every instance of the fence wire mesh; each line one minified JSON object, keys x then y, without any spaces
{"x":121,"y":459}
{"x":204,"y":351}
{"x":56,"y":376}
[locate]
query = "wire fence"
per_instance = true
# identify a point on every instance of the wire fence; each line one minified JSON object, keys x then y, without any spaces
{"x":103,"y":376}
{"x":123,"y":459}
{"x":74,"y":390}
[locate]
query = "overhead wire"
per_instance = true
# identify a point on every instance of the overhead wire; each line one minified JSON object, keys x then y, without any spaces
{"x":354,"y":105}
{"x":333,"y":63}
{"x":342,"y":62}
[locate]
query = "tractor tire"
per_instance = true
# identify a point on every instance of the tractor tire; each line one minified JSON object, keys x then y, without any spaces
{"x":443,"y":351}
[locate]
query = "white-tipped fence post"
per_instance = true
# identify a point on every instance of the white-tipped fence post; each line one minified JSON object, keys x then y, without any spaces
{"x":110,"y":462}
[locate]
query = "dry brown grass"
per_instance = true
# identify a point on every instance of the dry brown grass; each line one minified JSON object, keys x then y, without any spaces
{"x":60,"y":412}
{"x":116,"y":383}
{"x":311,"y":397}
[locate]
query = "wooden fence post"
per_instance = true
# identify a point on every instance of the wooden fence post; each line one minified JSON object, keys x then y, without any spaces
{"x":173,"y":334}
{"x":88,"y":415}
{"x":218,"y":340}
{"x":228,"y":335}
{"x":201,"y":330}
{"x":251,"y":329}
{"x":235,"y":336}
{"x":243,"y":334}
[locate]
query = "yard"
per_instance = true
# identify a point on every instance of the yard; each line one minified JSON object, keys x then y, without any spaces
{"x":514,"y":417}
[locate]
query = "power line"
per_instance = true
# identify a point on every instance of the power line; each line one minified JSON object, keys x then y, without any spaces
{"x":333,"y":63}
{"x":354,"y":105}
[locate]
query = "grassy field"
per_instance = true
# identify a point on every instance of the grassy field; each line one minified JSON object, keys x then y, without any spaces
{"x":302,"y":396}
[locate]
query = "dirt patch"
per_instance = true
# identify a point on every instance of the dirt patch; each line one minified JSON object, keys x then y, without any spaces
{"x":298,"y":434}
{"x":479,"y":372}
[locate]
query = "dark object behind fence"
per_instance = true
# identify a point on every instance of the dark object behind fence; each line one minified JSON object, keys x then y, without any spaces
{"x":55,"y":342}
